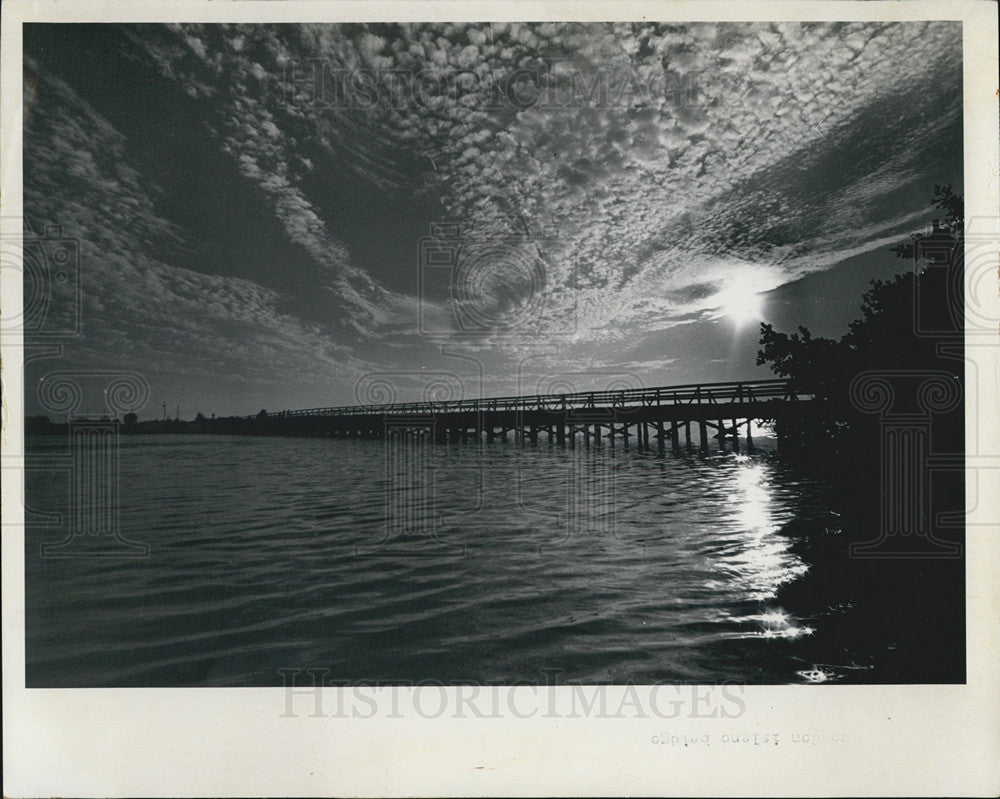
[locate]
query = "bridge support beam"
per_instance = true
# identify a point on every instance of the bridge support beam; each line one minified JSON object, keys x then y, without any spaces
{"x":647,"y":410}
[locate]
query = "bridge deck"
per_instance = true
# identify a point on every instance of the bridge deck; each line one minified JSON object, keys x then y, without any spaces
{"x":713,"y":394}
{"x":659,"y":414}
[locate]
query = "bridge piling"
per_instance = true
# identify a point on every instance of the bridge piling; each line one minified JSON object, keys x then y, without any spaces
{"x":646,"y":412}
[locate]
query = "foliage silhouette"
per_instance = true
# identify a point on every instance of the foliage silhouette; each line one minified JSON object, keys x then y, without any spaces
{"x":906,"y":324}
{"x":907,"y":612}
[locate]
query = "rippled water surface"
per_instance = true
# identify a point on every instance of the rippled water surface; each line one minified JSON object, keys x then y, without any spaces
{"x":447,"y":563}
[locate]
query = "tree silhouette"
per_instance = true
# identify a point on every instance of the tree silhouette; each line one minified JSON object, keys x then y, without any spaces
{"x":904,"y":322}
{"x":910,"y":609}
{"x":811,"y":364}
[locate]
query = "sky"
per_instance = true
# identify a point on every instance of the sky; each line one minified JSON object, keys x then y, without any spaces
{"x":296,"y":216}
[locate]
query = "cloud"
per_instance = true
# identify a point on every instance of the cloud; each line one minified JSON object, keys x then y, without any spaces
{"x":659,"y":164}
{"x":139,"y":309}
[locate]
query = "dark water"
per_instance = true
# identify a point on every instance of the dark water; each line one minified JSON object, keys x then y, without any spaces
{"x":447,"y":564}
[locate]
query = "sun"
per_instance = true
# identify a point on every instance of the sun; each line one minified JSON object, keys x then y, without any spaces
{"x":743,"y":309}
{"x":740,"y":295}
{"x":740,"y":305}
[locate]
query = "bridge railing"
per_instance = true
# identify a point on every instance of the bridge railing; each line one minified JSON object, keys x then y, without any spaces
{"x":690,"y":393}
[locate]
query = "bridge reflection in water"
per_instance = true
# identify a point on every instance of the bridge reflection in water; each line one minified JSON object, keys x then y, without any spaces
{"x":704,"y":415}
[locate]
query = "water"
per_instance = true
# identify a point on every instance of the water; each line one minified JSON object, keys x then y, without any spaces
{"x":444,"y":564}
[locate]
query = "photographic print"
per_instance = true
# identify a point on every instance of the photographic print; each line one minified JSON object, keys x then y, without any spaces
{"x":307,"y":260}
{"x":457,"y":356}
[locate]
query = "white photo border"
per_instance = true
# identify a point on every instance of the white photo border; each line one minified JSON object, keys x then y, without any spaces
{"x":851,"y":740}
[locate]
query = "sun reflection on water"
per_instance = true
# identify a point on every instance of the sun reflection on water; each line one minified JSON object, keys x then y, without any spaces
{"x":757,"y":558}
{"x":753,"y":500}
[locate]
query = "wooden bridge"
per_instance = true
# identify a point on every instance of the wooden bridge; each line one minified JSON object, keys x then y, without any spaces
{"x":706,"y":414}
